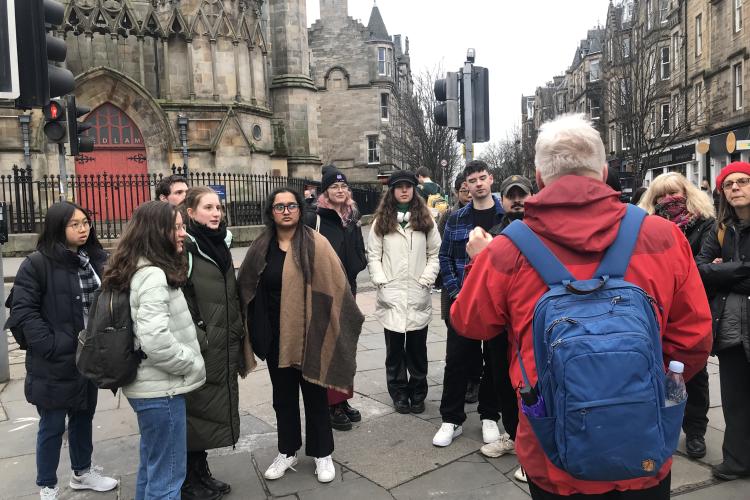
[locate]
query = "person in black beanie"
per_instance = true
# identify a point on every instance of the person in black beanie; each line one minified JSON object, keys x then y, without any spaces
{"x":337,"y":218}
{"x":211,"y":292}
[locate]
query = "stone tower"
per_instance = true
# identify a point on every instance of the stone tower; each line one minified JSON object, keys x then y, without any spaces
{"x":292,"y":90}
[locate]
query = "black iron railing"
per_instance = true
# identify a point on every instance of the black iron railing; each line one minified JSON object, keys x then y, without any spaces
{"x":112,"y":198}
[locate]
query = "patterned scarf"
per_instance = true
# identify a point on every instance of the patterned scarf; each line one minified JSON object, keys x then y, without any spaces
{"x":89,"y":282}
{"x":674,"y":208}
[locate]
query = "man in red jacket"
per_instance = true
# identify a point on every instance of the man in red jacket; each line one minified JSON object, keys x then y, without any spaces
{"x":577,"y":217}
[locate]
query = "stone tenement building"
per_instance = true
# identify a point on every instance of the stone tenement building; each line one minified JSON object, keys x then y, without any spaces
{"x":358,"y":71}
{"x":689,"y":60}
{"x":234,"y":75}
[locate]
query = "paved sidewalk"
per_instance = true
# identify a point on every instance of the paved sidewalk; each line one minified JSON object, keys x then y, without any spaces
{"x":385,"y":456}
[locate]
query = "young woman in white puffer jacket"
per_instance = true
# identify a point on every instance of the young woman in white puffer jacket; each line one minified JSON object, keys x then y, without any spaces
{"x":402,"y":257}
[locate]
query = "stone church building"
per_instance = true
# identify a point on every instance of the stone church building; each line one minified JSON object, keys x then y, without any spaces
{"x":232,"y":84}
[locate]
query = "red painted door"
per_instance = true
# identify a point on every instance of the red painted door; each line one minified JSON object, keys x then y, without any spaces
{"x":112,"y":180}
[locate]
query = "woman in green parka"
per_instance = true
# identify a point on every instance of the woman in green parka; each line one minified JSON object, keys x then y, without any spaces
{"x":212,"y":411}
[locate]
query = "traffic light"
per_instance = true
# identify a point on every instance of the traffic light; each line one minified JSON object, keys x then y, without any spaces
{"x":447,"y":112}
{"x":77,"y":143}
{"x":38,"y":79}
{"x":54,"y":121}
{"x":480,"y":96}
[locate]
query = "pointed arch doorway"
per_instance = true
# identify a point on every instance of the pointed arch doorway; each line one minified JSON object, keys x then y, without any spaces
{"x":112,"y":180}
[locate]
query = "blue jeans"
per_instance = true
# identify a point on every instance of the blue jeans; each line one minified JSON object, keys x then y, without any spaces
{"x":163,"y":427}
{"x":49,"y":442}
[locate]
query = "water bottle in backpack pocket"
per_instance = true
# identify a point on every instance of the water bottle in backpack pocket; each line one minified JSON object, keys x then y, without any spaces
{"x":600,"y":373}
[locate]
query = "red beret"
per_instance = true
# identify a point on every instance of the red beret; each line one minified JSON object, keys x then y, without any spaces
{"x":733,"y":168}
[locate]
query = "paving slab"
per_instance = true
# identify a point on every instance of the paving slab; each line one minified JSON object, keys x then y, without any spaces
{"x":14,"y":390}
{"x":238,"y":470}
{"x":371,"y":359}
{"x":356,"y":488}
{"x":461,"y":480}
{"x":732,"y":490}
{"x":716,"y":418}
{"x":686,"y":472}
{"x":370,"y":382}
{"x":405,"y":441}
{"x":714,"y":390}
{"x":115,"y":423}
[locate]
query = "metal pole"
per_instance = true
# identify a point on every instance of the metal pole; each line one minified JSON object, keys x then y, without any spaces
{"x":468,"y":72}
{"x":4,"y":360}
{"x":63,"y":173}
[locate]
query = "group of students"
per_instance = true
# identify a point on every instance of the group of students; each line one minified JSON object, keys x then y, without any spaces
{"x":199,"y":326}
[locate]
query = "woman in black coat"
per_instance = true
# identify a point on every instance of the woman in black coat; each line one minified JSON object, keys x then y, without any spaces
{"x":337,"y":218}
{"x":51,"y":296}
{"x":674,"y":198}
{"x":725,"y":269}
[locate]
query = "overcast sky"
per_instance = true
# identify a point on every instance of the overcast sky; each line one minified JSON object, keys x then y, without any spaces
{"x":523,"y":43}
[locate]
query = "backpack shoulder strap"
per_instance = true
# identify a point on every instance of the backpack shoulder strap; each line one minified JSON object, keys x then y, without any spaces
{"x":720,"y":233}
{"x":617,"y":257}
{"x":541,"y":258}
{"x":317,"y":223}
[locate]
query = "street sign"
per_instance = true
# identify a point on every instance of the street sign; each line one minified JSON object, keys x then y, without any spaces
{"x":742,"y":145}
{"x":221,"y":190}
{"x":9,"y":88}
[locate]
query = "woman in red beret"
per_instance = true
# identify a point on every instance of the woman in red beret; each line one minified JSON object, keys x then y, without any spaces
{"x":724,"y":264}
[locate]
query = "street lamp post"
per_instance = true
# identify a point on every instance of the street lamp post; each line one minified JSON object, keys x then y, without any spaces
{"x":182,"y":122}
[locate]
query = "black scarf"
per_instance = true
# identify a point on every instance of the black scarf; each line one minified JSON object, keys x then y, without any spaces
{"x":212,"y":242}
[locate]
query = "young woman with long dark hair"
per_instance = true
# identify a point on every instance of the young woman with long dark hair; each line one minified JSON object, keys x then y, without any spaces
{"x":50,"y":305}
{"x":723,"y":264}
{"x":148,"y":263}
{"x":312,"y":345}
{"x":211,"y":293}
{"x":402,"y":254}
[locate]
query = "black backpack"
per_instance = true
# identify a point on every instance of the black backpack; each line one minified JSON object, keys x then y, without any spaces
{"x":37,"y":263}
{"x":106,"y":352}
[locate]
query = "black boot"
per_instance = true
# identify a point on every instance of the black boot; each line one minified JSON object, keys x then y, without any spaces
{"x":193,"y":488}
{"x":339,"y":419}
{"x":208,"y":480}
{"x":353,"y":414}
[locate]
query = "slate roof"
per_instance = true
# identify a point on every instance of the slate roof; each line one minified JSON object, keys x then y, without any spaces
{"x":376,"y":26}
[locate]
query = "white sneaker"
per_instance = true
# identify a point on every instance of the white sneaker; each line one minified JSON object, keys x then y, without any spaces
{"x":92,"y":479}
{"x":490,"y":431}
{"x":446,"y":434}
{"x":48,"y":493}
{"x":324,"y":469}
{"x":520,"y":475}
{"x":499,"y":448}
{"x":279,"y":466}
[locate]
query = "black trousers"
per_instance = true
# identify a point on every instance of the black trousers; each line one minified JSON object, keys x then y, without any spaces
{"x":734,"y":370}
{"x":696,"y":410}
{"x":406,"y":365}
{"x":460,"y":355}
{"x":499,"y":369}
{"x":287,"y":383}
{"x":658,"y":492}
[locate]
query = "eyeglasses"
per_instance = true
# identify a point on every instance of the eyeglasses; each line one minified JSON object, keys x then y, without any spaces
{"x":741,"y":182}
{"x":338,"y":187}
{"x":280,"y":207}
{"x":77,"y":226}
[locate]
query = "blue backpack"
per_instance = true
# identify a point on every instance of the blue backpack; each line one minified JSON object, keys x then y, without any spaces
{"x":600,"y":371}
